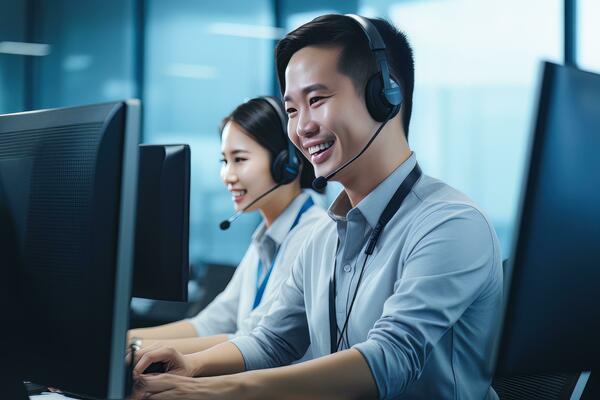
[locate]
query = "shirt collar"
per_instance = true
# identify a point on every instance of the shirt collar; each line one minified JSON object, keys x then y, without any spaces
{"x":372,"y":206}
{"x":282,"y":224}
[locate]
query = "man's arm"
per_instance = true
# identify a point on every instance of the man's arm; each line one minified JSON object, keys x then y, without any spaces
{"x":453,"y":261}
{"x":344,"y":375}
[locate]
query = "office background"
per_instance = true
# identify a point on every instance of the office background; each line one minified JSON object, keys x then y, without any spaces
{"x":192,"y":61}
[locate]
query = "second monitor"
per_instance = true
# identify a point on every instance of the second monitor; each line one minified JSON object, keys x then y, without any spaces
{"x":161,"y":268}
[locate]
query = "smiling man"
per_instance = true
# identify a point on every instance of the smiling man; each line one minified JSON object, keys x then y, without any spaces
{"x":400,"y":292}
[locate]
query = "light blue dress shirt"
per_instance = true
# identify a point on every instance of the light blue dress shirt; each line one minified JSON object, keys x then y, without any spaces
{"x":427,"y":309}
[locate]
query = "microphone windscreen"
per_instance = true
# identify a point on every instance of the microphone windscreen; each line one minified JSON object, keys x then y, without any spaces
{"x":224,"y":225}
{"x":319,"y":183}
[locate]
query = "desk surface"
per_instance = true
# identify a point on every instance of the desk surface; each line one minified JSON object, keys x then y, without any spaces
{"x":49,"y":396}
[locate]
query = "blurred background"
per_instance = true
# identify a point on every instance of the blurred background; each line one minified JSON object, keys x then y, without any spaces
{"x":191,"y":62}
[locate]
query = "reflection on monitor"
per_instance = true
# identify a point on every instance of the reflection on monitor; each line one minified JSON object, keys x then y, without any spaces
{"x":68,"y":185}
{"x":552,"y":310}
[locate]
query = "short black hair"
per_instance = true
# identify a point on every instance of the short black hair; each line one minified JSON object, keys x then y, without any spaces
{"x":335,"y":30}
{"x":262,"y":123}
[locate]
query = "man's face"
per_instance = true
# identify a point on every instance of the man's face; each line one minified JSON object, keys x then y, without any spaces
{"x":328,"y":120}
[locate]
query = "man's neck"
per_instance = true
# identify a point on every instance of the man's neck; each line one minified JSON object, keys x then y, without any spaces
{"x":369,"y":174}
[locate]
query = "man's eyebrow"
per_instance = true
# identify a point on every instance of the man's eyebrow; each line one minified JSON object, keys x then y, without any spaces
{"x":308,"y":89}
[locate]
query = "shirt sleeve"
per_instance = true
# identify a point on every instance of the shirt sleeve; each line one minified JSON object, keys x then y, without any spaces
{"x":449,"y":266}
{"x":220,"y":316}
{"x":282,"y":335}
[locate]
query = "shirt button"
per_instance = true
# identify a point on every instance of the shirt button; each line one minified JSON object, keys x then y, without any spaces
{"x":347,"y":268}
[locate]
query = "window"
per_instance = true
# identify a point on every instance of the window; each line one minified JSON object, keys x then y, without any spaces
{"x":92,"y":52}
{"x":202,"y":60}
{"x":12,"y":66}
{"x":477,"y":69}
{"x":588,"y":32}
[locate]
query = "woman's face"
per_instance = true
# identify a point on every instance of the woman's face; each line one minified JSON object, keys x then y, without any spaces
{"x":245,"y":167}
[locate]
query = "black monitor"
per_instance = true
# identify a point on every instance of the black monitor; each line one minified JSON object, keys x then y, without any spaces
{"x":552,"y":282}
{"x":161,"y":268}
{"x":68,"y":181}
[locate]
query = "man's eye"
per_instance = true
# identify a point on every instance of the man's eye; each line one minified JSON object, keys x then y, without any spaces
{"x":290,"y":110}
{"x":313,"y":100}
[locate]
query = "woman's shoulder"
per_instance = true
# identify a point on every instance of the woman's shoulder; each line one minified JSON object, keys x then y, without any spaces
{"x":312,"y":224}
{"x":315,"y":217}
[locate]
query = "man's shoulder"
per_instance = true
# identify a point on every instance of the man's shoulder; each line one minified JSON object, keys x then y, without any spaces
{"x":437,"y":203}
{"x":450,"y":219}
{"x":435,"y":196}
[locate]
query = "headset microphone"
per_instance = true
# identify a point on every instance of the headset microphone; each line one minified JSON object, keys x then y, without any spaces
{"x":225,"y":224}
{"x":320,"y":183}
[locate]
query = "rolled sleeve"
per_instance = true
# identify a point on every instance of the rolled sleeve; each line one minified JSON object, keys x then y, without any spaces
{"x":449,"y":266}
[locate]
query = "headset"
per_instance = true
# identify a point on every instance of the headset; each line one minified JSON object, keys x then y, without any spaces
{"x":383,"y":95}
{"x":286,"y":165}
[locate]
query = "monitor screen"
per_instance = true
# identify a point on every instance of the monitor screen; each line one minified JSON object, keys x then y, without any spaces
{"x":552,"y":298}
{"x":161,"y":268}
{"x":68,"y":181}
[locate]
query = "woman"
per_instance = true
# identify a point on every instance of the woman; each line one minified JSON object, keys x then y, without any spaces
{"x":255,"y":151}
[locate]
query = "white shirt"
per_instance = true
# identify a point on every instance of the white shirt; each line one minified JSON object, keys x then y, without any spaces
{"x":231,"y":311}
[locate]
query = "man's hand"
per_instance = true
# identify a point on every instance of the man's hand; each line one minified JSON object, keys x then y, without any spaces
{"x":167,"y":386}
{"x":175,"y":363}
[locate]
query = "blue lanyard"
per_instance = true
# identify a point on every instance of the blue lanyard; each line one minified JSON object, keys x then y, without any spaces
{"x":260,"y":288}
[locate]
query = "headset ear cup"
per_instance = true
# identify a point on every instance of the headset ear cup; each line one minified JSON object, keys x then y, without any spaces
{"x":282,"y":171}
{"x":379,"y":107}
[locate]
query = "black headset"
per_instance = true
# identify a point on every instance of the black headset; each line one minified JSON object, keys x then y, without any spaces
{"x":382,"y":93}
{"x":286,"y":165}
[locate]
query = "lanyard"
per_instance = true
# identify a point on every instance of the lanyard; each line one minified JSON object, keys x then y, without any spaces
{"x":260,"y":288}
{"x":387,"y":214}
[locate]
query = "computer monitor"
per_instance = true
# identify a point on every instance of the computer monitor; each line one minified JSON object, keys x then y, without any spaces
{"x":10,"y":382}
{"x":161,"y":268}
{"x":68,"y":180}
{"x":552,"y":293}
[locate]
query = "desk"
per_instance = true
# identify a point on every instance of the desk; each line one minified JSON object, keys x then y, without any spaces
{"x":49,"y":396}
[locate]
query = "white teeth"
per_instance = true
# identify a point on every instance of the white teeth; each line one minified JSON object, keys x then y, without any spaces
{"x":313,"y":149}
{"x":237,"y":193}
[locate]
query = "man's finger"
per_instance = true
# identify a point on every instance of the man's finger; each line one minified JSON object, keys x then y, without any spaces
{"x":159,"y":383}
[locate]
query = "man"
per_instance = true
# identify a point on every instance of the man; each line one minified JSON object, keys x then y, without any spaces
{"x":416,"y":310}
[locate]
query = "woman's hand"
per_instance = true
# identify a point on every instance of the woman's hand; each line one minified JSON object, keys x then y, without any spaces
{"x":174,"y":362}
{"x":168,"y":386}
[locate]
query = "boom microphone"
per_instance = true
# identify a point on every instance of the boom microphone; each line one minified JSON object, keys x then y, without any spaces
{"x":225,"y":224}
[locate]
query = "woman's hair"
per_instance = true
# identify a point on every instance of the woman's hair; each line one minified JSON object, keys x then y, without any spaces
{"x":259,"y":120}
